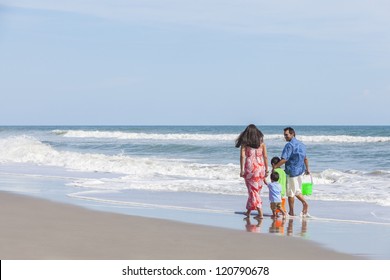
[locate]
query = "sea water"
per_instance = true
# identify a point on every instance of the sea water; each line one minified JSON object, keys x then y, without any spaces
{"x":348,"y":163}
{"x":191,"y":174}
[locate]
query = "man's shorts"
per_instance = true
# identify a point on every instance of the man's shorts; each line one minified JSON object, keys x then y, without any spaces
{"x":294,"y":185}
{"x":276,"y":205}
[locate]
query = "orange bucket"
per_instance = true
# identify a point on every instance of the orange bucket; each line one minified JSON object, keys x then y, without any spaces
{"x":283,"y":205}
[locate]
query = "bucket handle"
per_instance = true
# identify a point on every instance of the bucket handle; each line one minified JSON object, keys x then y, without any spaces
{"x":311,"y":177}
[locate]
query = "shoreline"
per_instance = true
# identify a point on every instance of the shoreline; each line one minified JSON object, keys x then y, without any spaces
{"x":34,"y":228}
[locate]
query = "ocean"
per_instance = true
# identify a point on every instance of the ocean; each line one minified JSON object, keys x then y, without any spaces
{"x":102,"y":163}
{"x":191,"y":174}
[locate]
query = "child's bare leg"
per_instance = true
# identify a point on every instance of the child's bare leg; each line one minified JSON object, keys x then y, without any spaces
{"x":284,"y":213}
{"x":247,"y":213}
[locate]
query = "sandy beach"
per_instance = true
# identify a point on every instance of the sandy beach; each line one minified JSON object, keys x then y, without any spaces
{"x":40,"y":229}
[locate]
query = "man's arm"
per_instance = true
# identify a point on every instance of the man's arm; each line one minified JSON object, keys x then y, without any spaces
{"x":306,"y":161}
{"x":279,"y":164}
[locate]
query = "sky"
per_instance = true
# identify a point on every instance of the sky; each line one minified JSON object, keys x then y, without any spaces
{"x":194,"y":62}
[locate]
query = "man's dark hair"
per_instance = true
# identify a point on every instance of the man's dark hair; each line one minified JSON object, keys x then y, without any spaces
{"x":290,"y":130}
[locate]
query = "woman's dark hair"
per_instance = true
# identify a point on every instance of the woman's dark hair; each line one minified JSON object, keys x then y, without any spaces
{"x":251,"y":137}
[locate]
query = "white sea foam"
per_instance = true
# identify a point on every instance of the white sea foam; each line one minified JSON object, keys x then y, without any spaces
{"x":352,"y":185}
{"x":213,"y":137}
{"x":145,"y":136}
{"x":343,"y":139}
{"x":176,"y":175}
{"x":23,"y":149}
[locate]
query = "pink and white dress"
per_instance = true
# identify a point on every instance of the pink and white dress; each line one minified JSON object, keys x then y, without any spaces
{"x":254,"y":176}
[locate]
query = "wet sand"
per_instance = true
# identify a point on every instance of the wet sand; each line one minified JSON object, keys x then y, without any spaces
{"x":33,"y":228}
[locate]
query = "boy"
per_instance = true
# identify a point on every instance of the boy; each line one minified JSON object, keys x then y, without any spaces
{"x":282,"y":180}
{"x":275,"y":197}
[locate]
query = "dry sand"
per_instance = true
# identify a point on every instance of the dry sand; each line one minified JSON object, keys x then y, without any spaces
{"x":38,"y":229}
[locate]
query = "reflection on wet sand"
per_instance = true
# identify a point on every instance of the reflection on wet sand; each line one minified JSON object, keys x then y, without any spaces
{"x":255,"y":227}
{"x":279,"y":226}
{"x":290,"y":228}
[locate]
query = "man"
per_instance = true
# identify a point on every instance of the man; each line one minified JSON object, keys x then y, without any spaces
{"x":296,"y":164}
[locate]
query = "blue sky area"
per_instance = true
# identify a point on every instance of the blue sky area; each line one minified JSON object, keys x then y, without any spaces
{"x":199,"y":62}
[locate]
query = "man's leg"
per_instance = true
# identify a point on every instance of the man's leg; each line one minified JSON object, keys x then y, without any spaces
{"x":290,"y":194}
{"x":291,"y":206}
{"x":305,"y":205}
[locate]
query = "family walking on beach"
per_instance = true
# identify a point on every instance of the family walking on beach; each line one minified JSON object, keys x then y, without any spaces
{"x":254,"y":169}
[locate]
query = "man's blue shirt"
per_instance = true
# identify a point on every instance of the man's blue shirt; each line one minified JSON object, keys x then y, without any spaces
{"x":294,"y":152}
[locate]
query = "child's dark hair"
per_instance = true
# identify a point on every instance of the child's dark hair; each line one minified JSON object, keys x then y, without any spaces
{"x":275,"y":160}
{"x":274,"y":176}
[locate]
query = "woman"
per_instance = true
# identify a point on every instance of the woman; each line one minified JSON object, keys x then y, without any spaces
{"x":253,"y":166}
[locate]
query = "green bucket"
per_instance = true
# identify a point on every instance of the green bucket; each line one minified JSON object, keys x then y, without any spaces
{"x":307,"y":187}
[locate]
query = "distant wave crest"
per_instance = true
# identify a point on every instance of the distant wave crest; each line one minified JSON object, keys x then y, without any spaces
{"x":212,"y":137}
{"x":344,"y":139}
{"x":144,"y":136}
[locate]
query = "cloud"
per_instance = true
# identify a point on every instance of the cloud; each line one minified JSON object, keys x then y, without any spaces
{"x":325,"y":20}
{"x":367,"y":93}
